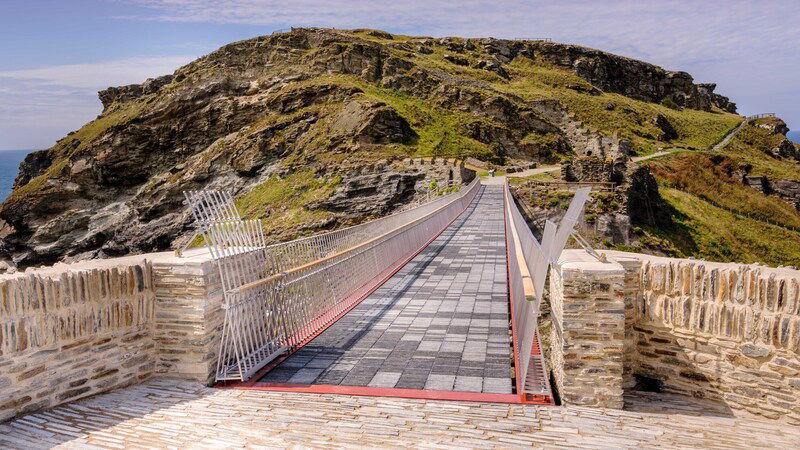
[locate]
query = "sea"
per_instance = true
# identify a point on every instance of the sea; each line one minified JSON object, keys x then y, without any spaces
{"x":794,"y":136}
{"x":9,"y":168}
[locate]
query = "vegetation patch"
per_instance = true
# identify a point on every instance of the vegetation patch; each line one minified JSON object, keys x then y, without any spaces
{"x":712,"y":178}
{"x":610,"y":113}
{"x":281,"y":202}
{"x":749,"y":148}
{"x":702,"y":230}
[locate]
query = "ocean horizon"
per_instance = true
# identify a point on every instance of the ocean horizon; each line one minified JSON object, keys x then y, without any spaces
{"x":9,"y":168}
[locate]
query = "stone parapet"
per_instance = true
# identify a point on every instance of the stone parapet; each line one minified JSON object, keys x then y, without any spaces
{"x":725,"y":332}
{"x":69,"y":334}
{"x":587,"y":342}
{"x":74,"y":330}
{"x":189,"y":316}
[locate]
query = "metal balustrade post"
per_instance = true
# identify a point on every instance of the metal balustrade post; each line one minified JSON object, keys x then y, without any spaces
{"x":524,"y":251}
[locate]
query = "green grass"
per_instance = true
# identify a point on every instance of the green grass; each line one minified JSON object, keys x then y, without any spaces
{"x":712,"y":177}
{"x":545,"y":176}
{"x":749,"y":147}
{"x":630,"y":119}
{"x":282,"y":202}
{"x":704,"y":231}
{"x":440,"y":131}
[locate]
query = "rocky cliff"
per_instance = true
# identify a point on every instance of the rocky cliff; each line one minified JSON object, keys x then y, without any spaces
{"x":304,"y":123}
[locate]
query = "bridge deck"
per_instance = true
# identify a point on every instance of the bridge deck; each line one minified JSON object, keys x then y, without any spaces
{"x":440,"y":323}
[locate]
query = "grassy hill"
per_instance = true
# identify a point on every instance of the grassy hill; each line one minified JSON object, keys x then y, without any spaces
{"x":715,"y":216}
{"x":286,"y":121}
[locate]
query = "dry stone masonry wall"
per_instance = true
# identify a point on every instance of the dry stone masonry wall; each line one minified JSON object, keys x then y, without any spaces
{"x":189,"y":318}
{"x":71,"y":331}
{"x":587,"y":346}
{"x":725,"y":332}
{"x":73,"y":334}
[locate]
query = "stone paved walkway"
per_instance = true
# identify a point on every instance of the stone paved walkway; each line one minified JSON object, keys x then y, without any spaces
{"x":170,"y":414}
{"x":441,"y":323}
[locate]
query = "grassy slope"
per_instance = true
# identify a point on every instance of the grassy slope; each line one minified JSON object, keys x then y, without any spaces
{"x":699,"y":175}
{"x":715,"y":217}
{"x":283,"y":200}
{"x":707,"y":232}
{"x":749,"y":147}
{"x":630,"y":119}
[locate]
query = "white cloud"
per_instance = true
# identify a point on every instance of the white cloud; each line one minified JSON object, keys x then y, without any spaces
{"x":98,"y":75}
{"x":39,"y":106}
{"x":747,"y":47}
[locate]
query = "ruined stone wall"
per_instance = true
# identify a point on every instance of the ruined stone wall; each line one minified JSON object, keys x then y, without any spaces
{"x":440,"y":170}
{"x":588,"y":315}
{"x":71,"y":334}
{"x":727,"y":332}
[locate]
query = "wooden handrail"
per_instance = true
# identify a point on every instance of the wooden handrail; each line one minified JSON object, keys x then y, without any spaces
{"x":527,"y":280}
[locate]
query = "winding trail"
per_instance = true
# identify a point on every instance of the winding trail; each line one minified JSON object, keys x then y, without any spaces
{"x":729,"y":136}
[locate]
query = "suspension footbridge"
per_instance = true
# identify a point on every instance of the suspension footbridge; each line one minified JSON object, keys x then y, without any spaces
{"x":439,"y":301}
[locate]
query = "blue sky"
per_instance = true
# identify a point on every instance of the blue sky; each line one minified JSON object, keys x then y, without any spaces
{"x":55,"y":55}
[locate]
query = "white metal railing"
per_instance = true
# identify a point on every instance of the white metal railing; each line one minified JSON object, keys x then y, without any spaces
{"x":528,"y":262}
{"x":760,"y":116}
{"x":285,"y":255}
{"x":278,"y":296}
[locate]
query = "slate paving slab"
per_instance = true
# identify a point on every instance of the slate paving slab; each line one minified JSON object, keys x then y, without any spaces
{"x":440,"y":323}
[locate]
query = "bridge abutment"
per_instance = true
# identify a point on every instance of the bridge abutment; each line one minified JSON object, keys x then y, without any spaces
{"x":588,"y":333}
{"x":725,"y":332}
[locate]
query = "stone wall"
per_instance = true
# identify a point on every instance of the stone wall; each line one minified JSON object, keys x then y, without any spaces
{"x":440,"y":170}
{"x":189,"y":316}
{"x":74,"y":330}
{"x":587,"y":347}
{"x":71,"y":334}
{"x":725,"y":332}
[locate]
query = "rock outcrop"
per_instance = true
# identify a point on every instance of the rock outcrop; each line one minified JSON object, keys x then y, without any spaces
{"x":34,"y":164}
{"x":331,"y":101}
{"x":614,"y":73}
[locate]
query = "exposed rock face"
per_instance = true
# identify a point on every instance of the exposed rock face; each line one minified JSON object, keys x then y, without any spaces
{"x":668,"y":132}
{"x":492,"y":66}
{"x":32,"y":166}
{"x":644,"y":203}
{"x":789,"y":190}
{"x":372,"y":123}
{"x":582,"y":141}
{"x":362,"y":193}
{"x":132,"y":91}
{"x":271,"y":105}
{"x":786,"y":149}
{"x":775,"y":126}
{"x":614,"y":73}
